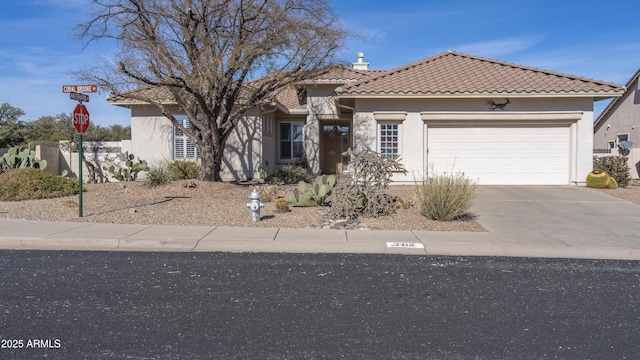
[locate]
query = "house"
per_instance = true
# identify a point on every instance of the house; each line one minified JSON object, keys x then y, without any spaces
{"x":499,"y":123}
{"x":619,"y":122}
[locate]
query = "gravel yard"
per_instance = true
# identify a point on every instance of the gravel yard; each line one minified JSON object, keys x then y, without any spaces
{"x":221,"y":204}
{"x":206,"y":204}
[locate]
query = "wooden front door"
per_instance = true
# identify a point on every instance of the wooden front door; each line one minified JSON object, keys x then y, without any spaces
{"x":335,"y":141}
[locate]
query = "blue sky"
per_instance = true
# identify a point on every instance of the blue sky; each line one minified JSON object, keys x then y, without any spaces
{"x":594,"y":39}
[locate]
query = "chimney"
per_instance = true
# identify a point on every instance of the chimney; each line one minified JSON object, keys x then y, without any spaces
{"x":361,"y":65}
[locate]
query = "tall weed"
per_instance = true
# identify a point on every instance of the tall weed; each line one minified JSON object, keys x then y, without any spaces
{"x":157,"y":175}
{"x":445,"y":197}
{"x":183,"y":169}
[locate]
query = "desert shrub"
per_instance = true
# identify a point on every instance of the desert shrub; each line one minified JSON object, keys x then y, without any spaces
{"x":289,"y":174}
{"x":30,"y":183}
{"x":364,"y":194}
{"x":268,"y":193}
{"x":184,"y":169}
{"x":616,"y":166}
{"x":157,"y":175}
{"x":445,"y":197}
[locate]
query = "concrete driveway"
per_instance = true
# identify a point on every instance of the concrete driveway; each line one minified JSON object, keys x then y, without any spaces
{"x":557,"y":215}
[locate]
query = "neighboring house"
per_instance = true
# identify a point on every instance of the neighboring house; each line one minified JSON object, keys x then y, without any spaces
{"x":499,"y":123}
{"x":618,"y":122}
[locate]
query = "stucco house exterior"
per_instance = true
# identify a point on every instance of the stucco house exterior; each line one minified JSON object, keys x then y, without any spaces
{"x":499,"y":123}
{"x":618,"y":121}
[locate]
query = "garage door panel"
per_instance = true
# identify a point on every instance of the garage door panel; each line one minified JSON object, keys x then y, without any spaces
{"x":499,"y":155}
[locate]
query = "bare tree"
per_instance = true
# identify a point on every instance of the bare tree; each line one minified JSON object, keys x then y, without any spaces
{"x":215,"y":59}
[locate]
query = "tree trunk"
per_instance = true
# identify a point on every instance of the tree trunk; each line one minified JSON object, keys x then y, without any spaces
{"x":210,"y":162}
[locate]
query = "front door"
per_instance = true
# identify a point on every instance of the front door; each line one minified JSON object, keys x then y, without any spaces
{"x":335,"y":141}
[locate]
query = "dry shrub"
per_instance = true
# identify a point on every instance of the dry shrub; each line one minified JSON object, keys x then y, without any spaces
{"x":445,"y":197}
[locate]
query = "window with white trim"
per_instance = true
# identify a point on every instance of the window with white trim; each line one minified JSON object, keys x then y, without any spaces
{"x":183,"y":147}
{"x":389,"y":139}
{"x":290,"y":141}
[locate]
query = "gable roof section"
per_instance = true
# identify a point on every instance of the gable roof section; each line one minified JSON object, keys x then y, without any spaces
{"x":339,"y":74}
{"x":287,"y":97}
{"x":453,"y":74}
{"x":607,"y":110}
{"x":161,"y":95}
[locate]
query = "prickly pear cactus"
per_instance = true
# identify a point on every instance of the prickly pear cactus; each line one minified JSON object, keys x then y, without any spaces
{"x":21,"y":157}
{"x":129,"y":169}
{"x":301,"y":198}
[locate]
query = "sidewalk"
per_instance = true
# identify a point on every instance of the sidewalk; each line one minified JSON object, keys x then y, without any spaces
{"x":41,"y":235}
{"x":522,"y":221}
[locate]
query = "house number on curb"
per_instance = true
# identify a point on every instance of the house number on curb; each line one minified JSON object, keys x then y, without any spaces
{"x":405,"y":245}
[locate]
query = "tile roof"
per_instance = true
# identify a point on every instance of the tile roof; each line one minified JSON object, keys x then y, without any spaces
{"x":341,"y":74}
{"x":288,"y":98}
{"x":160,"y":95}
{"x":449,"y":74}
{"x":456,"y":74}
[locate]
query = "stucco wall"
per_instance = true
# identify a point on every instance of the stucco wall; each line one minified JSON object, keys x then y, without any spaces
{"x":152,"y":139}
{"x":413,"y":140}
{"x":151,"y":135}
{"x":623,"y":118}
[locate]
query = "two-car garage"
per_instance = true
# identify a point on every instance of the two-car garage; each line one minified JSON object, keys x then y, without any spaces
{"x":499,"y":152}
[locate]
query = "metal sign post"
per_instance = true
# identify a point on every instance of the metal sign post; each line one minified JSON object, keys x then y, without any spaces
{"x":81,"y":123}
{"x":80,"y":174}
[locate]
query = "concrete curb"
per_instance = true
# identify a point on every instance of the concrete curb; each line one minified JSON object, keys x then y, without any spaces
{"x":41,"y":235}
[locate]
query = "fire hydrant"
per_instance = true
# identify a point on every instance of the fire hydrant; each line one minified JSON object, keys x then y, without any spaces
{"x":254,"y":204}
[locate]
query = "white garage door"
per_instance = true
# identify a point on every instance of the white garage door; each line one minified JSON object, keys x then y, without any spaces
{"x":500,"y":155}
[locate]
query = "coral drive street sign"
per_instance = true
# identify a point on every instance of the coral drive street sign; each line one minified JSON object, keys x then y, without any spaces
{"x":79,"y":96}
{"x":81,"y":119}
{"x":79,"y":88}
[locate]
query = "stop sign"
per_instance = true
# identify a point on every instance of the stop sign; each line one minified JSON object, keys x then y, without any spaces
{"x":81,"y":119}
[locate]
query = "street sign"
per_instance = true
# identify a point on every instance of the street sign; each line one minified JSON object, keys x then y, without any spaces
{"x":81,"y":119}
{"x":79,"y":88}
{"x":79,"y":97}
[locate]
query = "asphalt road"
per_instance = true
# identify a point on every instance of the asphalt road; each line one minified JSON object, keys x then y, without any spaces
{"x":116,"y":305}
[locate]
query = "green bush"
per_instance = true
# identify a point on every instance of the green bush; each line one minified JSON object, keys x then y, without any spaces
{"x":289,"y":174}
{"x":445,"y":197}
{"x":616,"y":166}
{"x":157,"y":175}
{"x":184,"y":169}
{"x":30,"y":183}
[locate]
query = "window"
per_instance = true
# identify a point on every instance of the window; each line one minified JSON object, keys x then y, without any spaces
{"x":183,"y":147}
{"x":622,"y":137}
{"x":389,"y":139}
{"x":291,"y":141}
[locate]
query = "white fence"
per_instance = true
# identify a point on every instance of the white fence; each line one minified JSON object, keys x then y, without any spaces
{"x":96,"y":154}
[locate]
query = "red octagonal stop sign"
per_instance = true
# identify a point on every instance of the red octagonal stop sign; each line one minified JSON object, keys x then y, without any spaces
{"x":81,"y":119}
